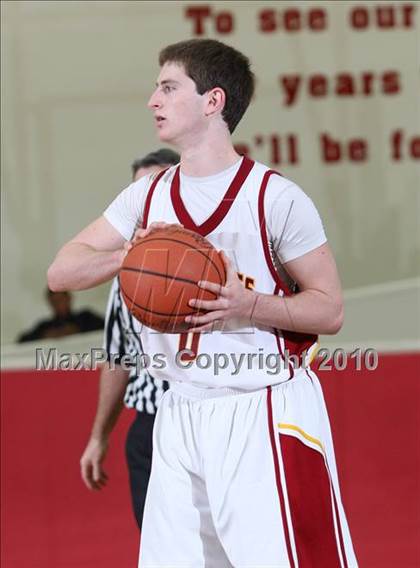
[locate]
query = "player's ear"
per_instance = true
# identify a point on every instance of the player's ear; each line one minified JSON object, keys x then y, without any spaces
{"x":216,"y":100}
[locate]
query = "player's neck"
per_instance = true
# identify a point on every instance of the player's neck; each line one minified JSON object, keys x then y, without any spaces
{"x":208,"y":156}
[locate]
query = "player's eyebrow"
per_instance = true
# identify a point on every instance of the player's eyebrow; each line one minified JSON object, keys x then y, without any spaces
{"x":167,"y":82}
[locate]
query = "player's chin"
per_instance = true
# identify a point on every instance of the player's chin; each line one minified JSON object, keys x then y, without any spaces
{"x":164,"y":135}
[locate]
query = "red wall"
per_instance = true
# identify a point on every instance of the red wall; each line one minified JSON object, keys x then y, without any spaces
{"x":50,"y":520}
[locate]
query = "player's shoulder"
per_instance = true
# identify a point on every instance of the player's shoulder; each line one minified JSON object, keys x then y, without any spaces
{"x":138,"y":189}
{"x":146,"y":181}
{"x":134,"y":191}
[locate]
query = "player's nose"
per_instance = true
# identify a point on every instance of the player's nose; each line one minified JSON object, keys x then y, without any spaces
{"x":154,"y":101}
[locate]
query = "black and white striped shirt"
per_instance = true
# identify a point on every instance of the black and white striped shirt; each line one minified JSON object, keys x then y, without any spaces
{"x":120,"y":339}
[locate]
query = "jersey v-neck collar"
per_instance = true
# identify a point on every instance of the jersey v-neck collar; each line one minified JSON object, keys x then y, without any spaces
{"x":221,"y":210}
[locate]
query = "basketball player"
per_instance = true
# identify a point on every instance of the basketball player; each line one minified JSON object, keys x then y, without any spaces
{"x":118,"y":386}
{"x":243,"y":470}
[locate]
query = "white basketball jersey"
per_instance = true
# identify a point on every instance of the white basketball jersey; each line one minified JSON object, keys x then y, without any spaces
{"x":238,"y":356}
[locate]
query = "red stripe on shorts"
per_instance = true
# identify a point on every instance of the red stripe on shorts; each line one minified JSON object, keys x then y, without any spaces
{"x":309,"y":491}
{"x":278,"y":480}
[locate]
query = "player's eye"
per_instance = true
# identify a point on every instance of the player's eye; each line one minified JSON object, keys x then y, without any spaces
{"x":167,"y":88}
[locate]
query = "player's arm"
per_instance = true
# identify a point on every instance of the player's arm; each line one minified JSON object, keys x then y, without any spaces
{"x":95,"y":255}
{"x":112,"y":385}
{"x":92,"y":257}
{"x":317,"y":308}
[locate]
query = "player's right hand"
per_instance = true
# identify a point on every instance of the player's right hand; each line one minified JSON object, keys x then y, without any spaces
{"x":91,"y":470}
{"x":155,"y":226}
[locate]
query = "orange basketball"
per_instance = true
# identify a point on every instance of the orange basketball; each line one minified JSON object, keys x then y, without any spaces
{"x":159,"y":276}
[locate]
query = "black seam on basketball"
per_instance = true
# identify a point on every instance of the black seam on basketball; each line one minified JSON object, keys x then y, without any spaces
{"x":192,"y":247}
{"x":161,"y":274}
{"x":195,"y":313}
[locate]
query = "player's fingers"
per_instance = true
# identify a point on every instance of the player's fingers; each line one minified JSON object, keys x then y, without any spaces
{"x":101,"y":483}
{"x":172,"y":226}
{"x":197,"y":320}
{"x":159,"y":225}
{"x":219,"y":304}
{"x":139,"y":234}
{"x":86,"y":473}
{"x":206,"y":318}
{"x":97,"y":472}
{"x":103,"y":480}
{"x":155,"y":226}
{"x":142,"y":233}
{"x":211,"y":286}
{"x":127,"y":247}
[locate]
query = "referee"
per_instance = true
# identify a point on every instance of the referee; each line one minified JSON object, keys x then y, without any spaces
{"x":119,"y":387}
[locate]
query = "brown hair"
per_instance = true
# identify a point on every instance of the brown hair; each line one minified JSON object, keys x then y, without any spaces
{"x":210,"y":63}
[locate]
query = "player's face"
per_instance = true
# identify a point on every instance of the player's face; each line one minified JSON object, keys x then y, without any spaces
{"x":178,"y":109}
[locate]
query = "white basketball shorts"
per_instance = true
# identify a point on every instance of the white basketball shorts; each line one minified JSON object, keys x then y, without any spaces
{"x":244,"y":480}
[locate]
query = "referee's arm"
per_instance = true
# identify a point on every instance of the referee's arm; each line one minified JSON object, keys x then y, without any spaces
{"x":112,"y":385}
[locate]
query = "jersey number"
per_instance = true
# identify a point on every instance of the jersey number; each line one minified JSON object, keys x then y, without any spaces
{"x":189,"y":341}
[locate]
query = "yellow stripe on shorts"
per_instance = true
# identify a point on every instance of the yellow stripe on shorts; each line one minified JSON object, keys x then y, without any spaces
{"x":304,"y":434}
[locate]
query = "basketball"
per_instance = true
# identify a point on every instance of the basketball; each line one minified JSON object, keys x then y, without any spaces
{"x":160,"y":273}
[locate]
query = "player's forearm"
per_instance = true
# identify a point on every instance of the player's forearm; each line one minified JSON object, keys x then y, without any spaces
{"x":78,"y":266}
{"x":112,"y":387}
{"x":310,"y":311}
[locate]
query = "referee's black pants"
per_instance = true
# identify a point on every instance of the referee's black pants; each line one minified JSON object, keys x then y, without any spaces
{"x":138,"y":451}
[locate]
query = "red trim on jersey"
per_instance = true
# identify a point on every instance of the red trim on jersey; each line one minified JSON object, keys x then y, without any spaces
{"x":222,"y":209}
{"x":280,"y":285}
{"x":311,"y":508}
{"x":295,"y":343}
{"x":277,"y":334}
{"x":340,"y":533}
{"x":149,"y":198}
{"x":278,"y":479}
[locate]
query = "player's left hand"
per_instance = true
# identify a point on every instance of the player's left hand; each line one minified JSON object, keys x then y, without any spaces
{"x":143,"y":233}
{"x":233,"y":301}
